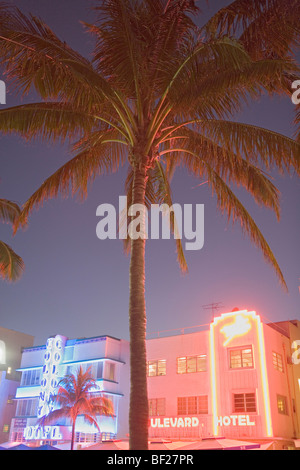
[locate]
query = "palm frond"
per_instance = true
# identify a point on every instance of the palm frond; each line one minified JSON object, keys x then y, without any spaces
{"x":229,"y":203}
{"x":230,"y":166}
{"x":255,"y":144}
{"x":9,"y":211}
{"x":32,"y":55}
{"x":74,"y":177}
{"x":158,"y":191}
{"x":165,"y":196}
{"x":47,"y":121}
{"x":266,"y":27}
{"x":221,"y":93}
{"x":11,"y":264}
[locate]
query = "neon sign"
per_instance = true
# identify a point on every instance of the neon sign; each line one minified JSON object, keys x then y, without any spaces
{"x":186,"y":422}
{"x":46,"y":432}
{"x":242,"y":322}
{"x":234,"y":420}
{"x":52,"y":358}
{"x":240,"y":326}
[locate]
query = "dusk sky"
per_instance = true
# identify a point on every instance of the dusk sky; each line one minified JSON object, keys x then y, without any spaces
{"x":78,"y":286}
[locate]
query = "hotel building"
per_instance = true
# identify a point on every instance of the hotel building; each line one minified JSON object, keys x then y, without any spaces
{"x":43,"y":366}
{"x":238,"y":378}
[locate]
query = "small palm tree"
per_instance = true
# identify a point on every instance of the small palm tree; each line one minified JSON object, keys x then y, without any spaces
{"x":74,"y":399}
{"x":11,"y":264}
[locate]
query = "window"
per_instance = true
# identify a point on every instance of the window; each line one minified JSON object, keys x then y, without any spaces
{"x":282,"y":405}
{"x":155,"y":368}
{"x":5,"y":428}
{"x":87,"y":437}
{"x":100,"y":370}
{"x":157,"y":406}
{"x":241,"y":358}
{"x":244,"y":403}
{"x":10,"y":400}
{"x":31,"y":377}
{"x":111,"y":371}
{"x":192,"y":405}
{"x":27,"y":407}
{"x":190,"y":364}
{"x":277,"y":361}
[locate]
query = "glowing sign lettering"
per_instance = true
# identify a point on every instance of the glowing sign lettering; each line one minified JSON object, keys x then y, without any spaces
{"x":234,"y":420}
{"x":46,"y":432}
{"x":52,"y":358}
{"x":240,"y":326}
{"x":296,"y":354}
{"x":186,"y":422}
{"x":2,"y":352}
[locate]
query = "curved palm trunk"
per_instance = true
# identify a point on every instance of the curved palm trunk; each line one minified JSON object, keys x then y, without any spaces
{"x":138,"y":413}
{"x":73,"y":434}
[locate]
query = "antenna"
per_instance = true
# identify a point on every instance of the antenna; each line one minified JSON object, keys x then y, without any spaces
{"x":213,"y":307}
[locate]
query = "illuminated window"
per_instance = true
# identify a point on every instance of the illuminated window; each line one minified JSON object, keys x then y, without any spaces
{"x":241,"y":358}
{"x":111,"y":371}
{"x":190,"y":364}
{"x":5,"y":428}
{"x":244,"y":403}
{"x":31,"y":377}
{"x":277,"y":361}
{"x":157,"y":406}
{"x":10,"y":400}
{"x":282,"y":405}
{"x":155,"y":368}
{"x":192,"y":405}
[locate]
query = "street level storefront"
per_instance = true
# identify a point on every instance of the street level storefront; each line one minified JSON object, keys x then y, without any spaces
{"x":238,"y":379}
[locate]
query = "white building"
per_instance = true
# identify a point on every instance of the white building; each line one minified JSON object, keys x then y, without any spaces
{"x":43,"y":366}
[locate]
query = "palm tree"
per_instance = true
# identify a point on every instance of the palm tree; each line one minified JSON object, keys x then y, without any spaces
{"x":11,"y":264}
{"x":74,"y":399}
{"x":159,"y":93}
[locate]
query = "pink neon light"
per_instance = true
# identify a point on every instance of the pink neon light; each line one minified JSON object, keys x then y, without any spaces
{"x":230,"y":331}
{"x":240,"y":326}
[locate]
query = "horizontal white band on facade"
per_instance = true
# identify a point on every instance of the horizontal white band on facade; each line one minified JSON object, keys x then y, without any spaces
{"x":23,"y":393}
{"x":85,"y":361}
{"x":70,"y":363}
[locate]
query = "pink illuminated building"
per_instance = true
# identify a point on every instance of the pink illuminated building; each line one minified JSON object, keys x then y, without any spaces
{"x":239,"y":379}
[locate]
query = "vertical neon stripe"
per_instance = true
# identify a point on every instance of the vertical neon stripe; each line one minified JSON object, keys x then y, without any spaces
{"x":263,"y":370}
{"x":264,"y":377}
{"x":213,"y":380}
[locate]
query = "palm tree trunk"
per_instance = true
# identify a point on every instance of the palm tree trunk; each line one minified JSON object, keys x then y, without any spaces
{"x":138,"y":413}
{"x":73,"y":434}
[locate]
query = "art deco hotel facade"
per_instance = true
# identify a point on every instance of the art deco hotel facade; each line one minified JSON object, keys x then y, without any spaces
{"x":238,"y":378}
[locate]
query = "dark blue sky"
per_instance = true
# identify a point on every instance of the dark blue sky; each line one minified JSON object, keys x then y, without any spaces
{"x":76,"y":285}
